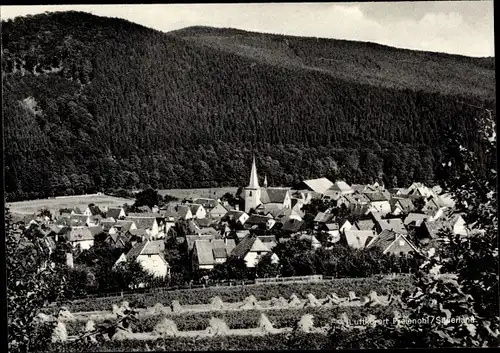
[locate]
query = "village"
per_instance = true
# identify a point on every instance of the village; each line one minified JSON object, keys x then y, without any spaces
{"x":397,"y":221}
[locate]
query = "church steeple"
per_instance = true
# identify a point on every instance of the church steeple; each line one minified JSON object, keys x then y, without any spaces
{"x":254,"y":180}
{"x":265,"y":181}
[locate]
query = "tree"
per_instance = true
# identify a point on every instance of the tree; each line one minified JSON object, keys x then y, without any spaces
{"x":266,"y":268}
{"x":130,"y":275}
{"x":148,"y":197}
{"x":32,"y":282}
{"x":234,"y":268}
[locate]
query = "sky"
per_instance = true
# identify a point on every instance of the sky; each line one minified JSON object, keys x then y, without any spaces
{"x":456,"y":27}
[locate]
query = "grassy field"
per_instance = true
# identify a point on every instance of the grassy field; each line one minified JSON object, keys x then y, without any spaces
{"x":207,"y":192}
{"x":32,"y":206}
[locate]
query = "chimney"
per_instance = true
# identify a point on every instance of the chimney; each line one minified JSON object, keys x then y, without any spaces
{"x":69,"y":260}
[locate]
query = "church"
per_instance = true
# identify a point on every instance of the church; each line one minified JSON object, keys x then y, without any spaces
{"x":264,"y":199}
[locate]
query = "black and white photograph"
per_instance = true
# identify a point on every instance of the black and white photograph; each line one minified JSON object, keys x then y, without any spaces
{"x":250,"y":176}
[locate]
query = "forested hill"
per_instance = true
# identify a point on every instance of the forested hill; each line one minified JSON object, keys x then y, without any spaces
{"x":93,"y":103}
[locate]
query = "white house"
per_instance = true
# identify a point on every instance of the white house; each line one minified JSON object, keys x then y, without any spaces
{"x":81,"y":236}
{"x":150,"y":224}
{"x":198,"y":211}
{"x":92,"y":210}
{"x":236,"y":216}
{"x":150,"y":255}
{"x":379,"y":203}
{"x":251,"y":249}
{"x":338,"y":189}
{"x":218,"y":211}
{"x":210,"y":252}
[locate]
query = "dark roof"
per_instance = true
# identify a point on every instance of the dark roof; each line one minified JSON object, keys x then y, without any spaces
{"x":96,"y":230}
{"x":376,"y":196}
{"x":322,"y":217}
{"x":434,"y":227}
{"x":273,"y":195}
{"x":292,"y":225}
{"x":106,"y":225}
{"x":246,"y":244}
{"x":207,"y":203}
{"x":113,"y":212}
{"x":358,"y":209}
{"x":142,"y":222}
{"x":233,"y":215}
{"x":194,"y":207}
{"x":204,"y":222}
{"x":219,"y":253}
{"x":257,"y":219}
{"x":383,"y":240}
{"x":124,"y":225}
{"x":95,"y":210}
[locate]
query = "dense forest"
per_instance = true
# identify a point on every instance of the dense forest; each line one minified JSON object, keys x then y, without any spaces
{"x":93,"y":103}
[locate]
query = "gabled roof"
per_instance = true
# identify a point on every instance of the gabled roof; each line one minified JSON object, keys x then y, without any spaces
{"x":96,"y":230}
{"x":106,"y":225}
{"x":341,"y":186}
{"x":204,"y":222}
{"x":183,"y":210}
{"x":257,"y":219}
{"x":124,"y":225}
{"x":416,"y":218}
{"x":191,"y":239}
{"x":366,"y":224}
{"x":219,"y":208}
{"x":247,"y":244}
{"x":385,"y":239}
{"x":292,"y":225}
{"x":80,"y":234}
{"x":358,"y":209}
{"x":233,"y":215}
{"x":323,"y":217}
{"x":194,"y":207}
{"x":273,"y":195}
{"x":405,"y":203}
{"x":148,"y":247}
{"x":208,"y":250}
{"x":395,"y":224}
{"x":358,"y":239}
{"x":359,"y":188}
{"x":209,"y":231}
{"x":376,"y":196}
{"x":113,"y":212}
{"x":219,"y":253}
{"x":142,"y":222}
{"x":434,"y":227}
{"x":356,"y":198}
{"x":319,"y":185}
{"x":94,"y":210}
{"x":206,"y":202}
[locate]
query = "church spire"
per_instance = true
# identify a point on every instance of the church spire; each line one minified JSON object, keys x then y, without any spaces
{"x":254,"y":180}
{"x":265,"y":180}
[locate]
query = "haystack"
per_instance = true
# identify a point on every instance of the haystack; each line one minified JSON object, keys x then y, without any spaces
{"x":60,"y":334}
{"x":294,"y":301}
{"x":376,"y":300}
{"x":166,"y":327}
{"x":125,"y":306}
{"x":306,"y":323}
{"x":311,"y":301}
{"x":343,"y":321}
{"x":353,"y":296}
{"x":159,"y":308}
{"x":217,"y":327}
{"x":121,"y":335}
{"x":176,"y":306}
{"x":250,"y":302}
{"x":41,"y":317}
{"x":118,"y":310}
{"x":331,"y":300}
{"x":265,"y":325}
{"x":65,"y":315}
{"x":371,"y":321}
{"x":216,"y":303}
{"x":90,"y":326}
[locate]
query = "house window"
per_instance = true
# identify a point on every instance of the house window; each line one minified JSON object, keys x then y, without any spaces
{"x":149,"y":255}
{"x":401,"y":243}
{"x":249,"y":193}
{"x":259,"y":252}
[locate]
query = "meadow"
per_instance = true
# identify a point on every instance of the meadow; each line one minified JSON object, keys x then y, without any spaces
{"x":202,"y":193}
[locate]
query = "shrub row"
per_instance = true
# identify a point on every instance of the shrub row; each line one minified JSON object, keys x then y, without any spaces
{"x":250,"y":318}
{"x":361,"y":286}
{"x":379,"y":337}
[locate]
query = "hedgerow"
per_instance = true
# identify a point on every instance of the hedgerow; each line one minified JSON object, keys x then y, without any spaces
{"x":361,"y":286}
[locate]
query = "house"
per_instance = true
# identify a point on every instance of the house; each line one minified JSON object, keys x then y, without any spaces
{"x":116,"y":213}
{"x":395,"y":224}
{"x":338,"y":189}
{"x":144,"y":209}
{"x":107,"y":224}
{"x":419,"y":189}
{"x":253,"y":195}
{"x":118,"y":241}
{"x":191,"y":239}
{"x":389,"y":241}
{"x":259,"y":222}
{"x":354,"y":199}
{"x":81,"y":236}
{"x":150,"y":224}
{"x":218,"y":211}
{"x":96,"y":230}
{"x":432,"y":205}
{"x":414,"y":220}
{"x":204,"y":222}
{"x":323,"y":218}
{"x":366,"y":224}
{"x":345,"y":225}
{"x":268,"y":240}
{"x":209,"y":231}
{"x":401,"y":206}
{"x":94,"y":221}
{"x":320,"y":185}
{"x":292,"y":226}
{"x":235,"y":216}
{"x":398,"y":191}
{"x":251,"y":249}
{"x":358,"y":210}
{"x":358,"y":239}
{"x":379,"y":202}
{"x":208,"y":204}
{"x":197,"y":210}
{"x":122,"y":226}
{"x":174,"y":211}
{"x":92,"y":210}
{"x":77,"y":220}
{"x":150,"y":254}
{"x":315,"y":243}
{"x":208,"y":253}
